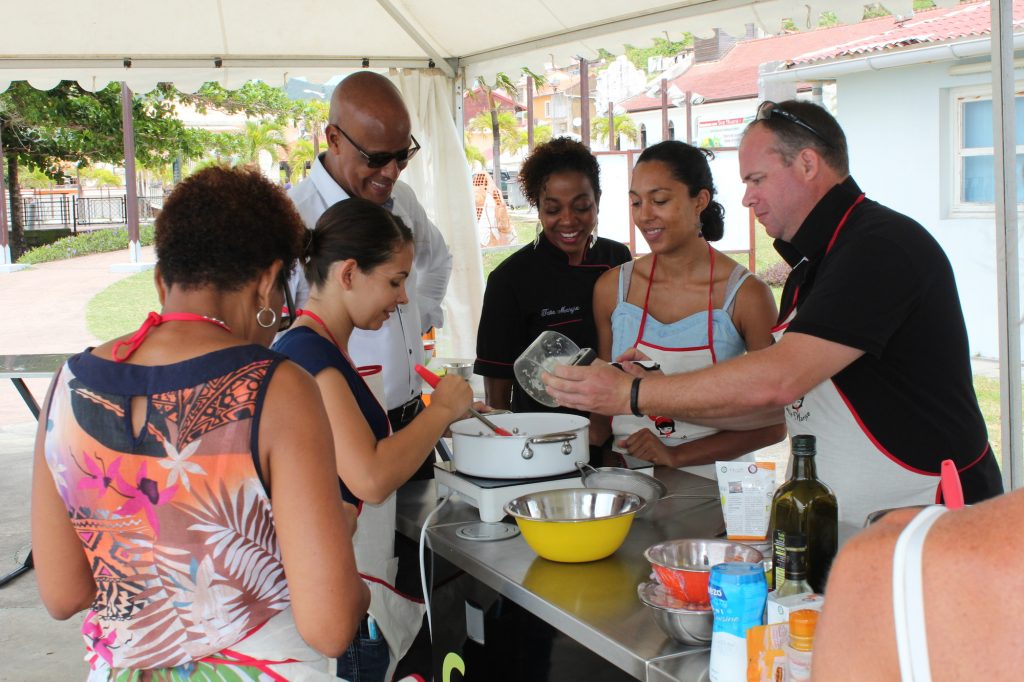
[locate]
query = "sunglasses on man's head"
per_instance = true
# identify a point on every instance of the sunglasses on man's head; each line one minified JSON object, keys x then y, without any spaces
{"x":768,"y":109}
{"x":381,"y":159}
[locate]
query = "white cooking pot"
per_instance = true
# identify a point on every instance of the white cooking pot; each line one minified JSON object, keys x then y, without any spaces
{"x":542,"y":444}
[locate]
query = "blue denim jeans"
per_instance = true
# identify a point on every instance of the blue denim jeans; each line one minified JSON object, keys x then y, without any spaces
{"x":365,"y":660}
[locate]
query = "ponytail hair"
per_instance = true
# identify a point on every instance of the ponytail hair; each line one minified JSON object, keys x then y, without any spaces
{"x":353,"y":228}
{"x":689,"y":165}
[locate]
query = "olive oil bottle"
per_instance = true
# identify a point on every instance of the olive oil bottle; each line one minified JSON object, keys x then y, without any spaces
{"x":805,"y":506}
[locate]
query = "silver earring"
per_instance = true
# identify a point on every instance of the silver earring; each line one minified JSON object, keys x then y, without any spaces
{"x":700,"y":228}
{"x":259,"y":317}
{"x":540,"y":231}
{"x":593,"y":239}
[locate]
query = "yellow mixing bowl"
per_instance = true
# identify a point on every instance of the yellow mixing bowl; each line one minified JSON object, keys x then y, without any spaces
{"x":575,"y":524}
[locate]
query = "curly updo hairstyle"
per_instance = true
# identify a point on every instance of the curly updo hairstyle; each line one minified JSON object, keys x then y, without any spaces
{"x":353,"y":228}
{"x":689,"y":165}
{"x":560,"y":155}
{"x":222,"y":227}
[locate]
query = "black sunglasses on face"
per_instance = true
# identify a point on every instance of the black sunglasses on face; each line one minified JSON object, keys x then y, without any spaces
{"x":381,"y":159}
{"x":769,"y":109}
{"x":288,"y":311}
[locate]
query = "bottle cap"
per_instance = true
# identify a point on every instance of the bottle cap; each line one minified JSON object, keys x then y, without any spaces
{"x":802,"y":623}
{"x":803,"y":444}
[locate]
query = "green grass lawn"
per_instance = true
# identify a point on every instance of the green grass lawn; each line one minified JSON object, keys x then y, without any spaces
{"x":121,"y":307}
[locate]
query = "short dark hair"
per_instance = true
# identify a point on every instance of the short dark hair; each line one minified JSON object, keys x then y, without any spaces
{"x":829,"y":143}
{"x":689,"y":165}
{"x":353,"y":228}
{"x":222,"y":227}
{"x":560,"y":155}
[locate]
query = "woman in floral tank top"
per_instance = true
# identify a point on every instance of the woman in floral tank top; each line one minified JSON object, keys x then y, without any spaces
{"x":181,"y":472}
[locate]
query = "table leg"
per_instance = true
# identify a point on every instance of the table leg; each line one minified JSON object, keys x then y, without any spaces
{"x":27,"y":396}
{"x":25,"y":567}
{"x":33,"y":406}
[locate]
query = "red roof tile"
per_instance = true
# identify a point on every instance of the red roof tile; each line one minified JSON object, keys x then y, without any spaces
{"x":927,"y":26}
{"x":735,"y":75}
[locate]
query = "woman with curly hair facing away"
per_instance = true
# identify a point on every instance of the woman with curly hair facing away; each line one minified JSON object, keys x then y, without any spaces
{"x":548,"y":284}
{"x":182,"y":471}
{"x":686,"y":305}
{"x":357,"y":260}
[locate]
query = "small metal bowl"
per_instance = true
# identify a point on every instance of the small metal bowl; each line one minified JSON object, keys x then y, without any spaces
{"x":647,"y":487}
{"x":687,"y":625}
{"x":575,"y":524}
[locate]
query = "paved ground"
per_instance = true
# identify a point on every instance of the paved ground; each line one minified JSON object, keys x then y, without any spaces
{"x":44,"y":308}
{"x":45,"y":313}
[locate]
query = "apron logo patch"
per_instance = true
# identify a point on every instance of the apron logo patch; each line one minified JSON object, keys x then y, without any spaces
{"x":666,"y":426}
{"x":795,"y":410}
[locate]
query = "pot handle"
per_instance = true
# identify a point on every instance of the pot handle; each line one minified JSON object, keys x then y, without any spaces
{"x":585,"y":470}
{"x":561,"y":437}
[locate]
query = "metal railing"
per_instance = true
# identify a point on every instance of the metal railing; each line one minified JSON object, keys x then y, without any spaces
{"x":41,"y":212}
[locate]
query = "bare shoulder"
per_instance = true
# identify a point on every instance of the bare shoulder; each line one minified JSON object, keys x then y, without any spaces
{"x":855,"y":636}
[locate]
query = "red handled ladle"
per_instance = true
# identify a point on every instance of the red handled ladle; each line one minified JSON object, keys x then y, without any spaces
{"x":432,"y":379}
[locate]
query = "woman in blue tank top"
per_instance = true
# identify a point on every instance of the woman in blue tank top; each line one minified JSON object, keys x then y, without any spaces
{"x":686,"y":306}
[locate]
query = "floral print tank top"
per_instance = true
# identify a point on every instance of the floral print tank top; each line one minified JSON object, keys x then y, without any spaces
{"x":176,"y":522}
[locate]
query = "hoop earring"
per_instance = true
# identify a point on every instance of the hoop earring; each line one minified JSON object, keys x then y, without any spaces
{"x":259,"y":317}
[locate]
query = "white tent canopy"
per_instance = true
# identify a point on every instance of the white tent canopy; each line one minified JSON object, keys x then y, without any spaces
{"x":189,"y":42}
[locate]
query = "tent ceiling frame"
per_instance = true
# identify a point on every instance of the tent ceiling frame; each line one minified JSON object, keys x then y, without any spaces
{"x":438,"y":60}
{"x":681,"y":10}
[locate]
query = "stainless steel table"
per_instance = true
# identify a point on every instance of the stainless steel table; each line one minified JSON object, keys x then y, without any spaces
{"x":595,"y":604}
{"x":17,"y":368}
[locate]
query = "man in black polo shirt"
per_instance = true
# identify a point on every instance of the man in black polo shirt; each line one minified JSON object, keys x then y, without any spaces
{"x":872,"y":355}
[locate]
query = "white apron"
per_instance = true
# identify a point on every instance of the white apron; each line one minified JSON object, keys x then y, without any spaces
{"x":399,"y":616}
{"x":673,"y":361}
{"x":862,"y":474}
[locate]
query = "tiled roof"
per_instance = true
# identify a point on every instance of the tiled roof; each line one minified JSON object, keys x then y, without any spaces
{"x":927,"y":26}
{"x":735,"y":75}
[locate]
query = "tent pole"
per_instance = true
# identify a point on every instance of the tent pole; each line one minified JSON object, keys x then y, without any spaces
{"x":131,"y":188}
{"x":585,"y":102}
{"x":1007,"y":246}
{"x":5,"y":244}
{"x":529,"y":113}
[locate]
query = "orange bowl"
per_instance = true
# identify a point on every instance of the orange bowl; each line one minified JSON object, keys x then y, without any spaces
{"x":684,"y":566}
{"x":689,"y":586}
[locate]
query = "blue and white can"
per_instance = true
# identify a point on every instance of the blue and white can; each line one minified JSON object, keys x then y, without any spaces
{"x":738,"y":594}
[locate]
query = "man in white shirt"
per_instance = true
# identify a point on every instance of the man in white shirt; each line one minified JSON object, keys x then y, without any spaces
{"x":370,"y":142}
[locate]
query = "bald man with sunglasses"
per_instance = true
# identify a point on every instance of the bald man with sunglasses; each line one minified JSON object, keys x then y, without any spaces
{"x":370,"y":142}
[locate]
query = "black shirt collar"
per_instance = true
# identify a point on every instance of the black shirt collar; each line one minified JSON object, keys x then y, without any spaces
{"x":549,"y":250}
{"x":811,"y":240}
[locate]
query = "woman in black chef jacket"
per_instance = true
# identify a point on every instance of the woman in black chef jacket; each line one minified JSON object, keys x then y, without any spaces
{"x":548,"y":284}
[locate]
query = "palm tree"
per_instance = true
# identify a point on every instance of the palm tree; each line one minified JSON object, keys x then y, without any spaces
{"x":299,"y":155}
{"x":512,"y":137}
{"x":474,"y":156}
{"x":260,"y":136}
{"x":503,"y":82}
{"x":624,"y":127}
{"x":541,"y":134}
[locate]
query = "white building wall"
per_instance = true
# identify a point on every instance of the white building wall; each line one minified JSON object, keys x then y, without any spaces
{"x":900,"y":146}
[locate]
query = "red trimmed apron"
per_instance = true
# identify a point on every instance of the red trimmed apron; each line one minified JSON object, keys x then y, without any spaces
{"x":673,"y":361}
{"x":864,"y":475}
